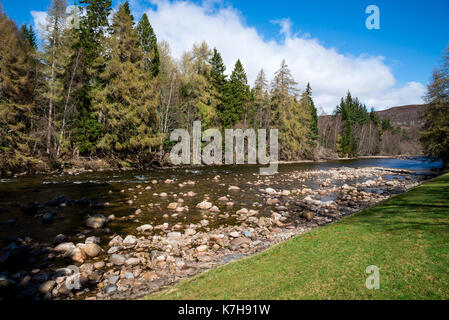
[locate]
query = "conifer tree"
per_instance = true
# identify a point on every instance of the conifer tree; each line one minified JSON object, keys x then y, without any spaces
{"x":218,"y":78}
{"x":435,"y":134}
{"x":17,"y":85}
{"x":56,"y":55}
{"x":127,"y":103}
{"x":353,"y":113}
{"x":288,"y":116}
{"x":29,"y":35}
{"x":262,"y":112}
{"x":94,"y":25}
{"x":237,"y":96}
{"x":148,"y":42}
{"x":199,"y":98}
{"x":307,"y":103}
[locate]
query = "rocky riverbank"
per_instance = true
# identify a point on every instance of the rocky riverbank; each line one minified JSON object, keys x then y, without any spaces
{"x":128,"y":265}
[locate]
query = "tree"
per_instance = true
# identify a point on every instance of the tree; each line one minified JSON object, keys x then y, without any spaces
{"x":435,"y":134}
{"x":236,"y":98}
{"x":126,"y":105}
{"x":169,"y":87}
{"x":353,"y":113}
{"x":148,"y":42}
{"x":217,"y":72}
{"x":29,"y":35}
{"x":218,"y":78}
{"x":94,"y":25}
{"x":198,"y":96}
{"x":17,"y":85}
{"x":262,"y":112}
{"x":308,"y":104}
{"x":288,"y":116}
{"x":56,"y":55}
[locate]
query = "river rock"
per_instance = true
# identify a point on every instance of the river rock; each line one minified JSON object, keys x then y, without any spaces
{"x":96,"y":222}
{"x":205,"y":205}
{"x":110,"y":288}
{"x":174,"y":235}
{"x":47,"y":217}
{"x":308,"y":215}
{"x":57,"y":201}
{"x":46,"y":287}
{"x":242,"y":211}
{"x":270,"y":190}
{"x":93,"y":239}
{"x":60,"y":238}
{"x":132,"y":261}
{"x":78,"y":255}
{"x":233,"y":188}
{"x":113,"y":279}
{"x":189,"y":232}
{"x":64,"y":247}
{"x":172,"y":206}
{"x":116,"y":241}
{"x":117,"y":259}
{"x":92,"y":249}
{"x":130,"y":240}
{"x":240,"y":241}
{"x":145,"y":227}
{"x":149,"y":276}
{"x":201,"y":248}
{"x":214,"y":209}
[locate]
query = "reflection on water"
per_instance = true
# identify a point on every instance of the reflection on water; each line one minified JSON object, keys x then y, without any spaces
{"x":116,"y":188}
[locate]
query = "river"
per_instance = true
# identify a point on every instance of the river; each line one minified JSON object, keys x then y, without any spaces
{"x":35,"y":209}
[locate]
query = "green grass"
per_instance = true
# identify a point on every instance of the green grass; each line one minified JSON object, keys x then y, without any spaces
{"x":407,"y":237}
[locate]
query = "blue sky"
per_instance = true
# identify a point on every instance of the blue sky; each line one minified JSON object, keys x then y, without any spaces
{"x":410,"y":41}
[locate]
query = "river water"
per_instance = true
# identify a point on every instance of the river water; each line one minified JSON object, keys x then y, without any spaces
{"x":86,"y":193}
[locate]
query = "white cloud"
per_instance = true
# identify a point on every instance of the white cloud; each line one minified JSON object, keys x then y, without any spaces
{"x":40,"y":22}
{"x":330,"y":73}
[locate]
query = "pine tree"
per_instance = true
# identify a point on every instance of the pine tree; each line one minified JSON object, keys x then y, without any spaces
{"x":218,"y":78}
{"x":308,"y":104}
{"x":56,"y":56}
{"x":262,"y":112}
{"x":29,"y":35}
{"x":94,"y":25}
{"x":128,"y":10}
{"x":217,"y":72}
{"x":435,"y":134}
{"x":198,"y":95}
{"x":288,"y":116}
{"x":236,"y":98}
{"x":17,"y":85}
{"x":127,"y":103}
{"x":354,"y":114}
{"x":148,"y":42}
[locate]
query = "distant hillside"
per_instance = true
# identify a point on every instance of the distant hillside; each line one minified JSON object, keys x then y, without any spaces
{"x":409,"y":119}
{"x":411,"y":116}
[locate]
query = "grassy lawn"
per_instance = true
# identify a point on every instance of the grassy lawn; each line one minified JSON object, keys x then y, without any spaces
{"x":407,"y":237}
